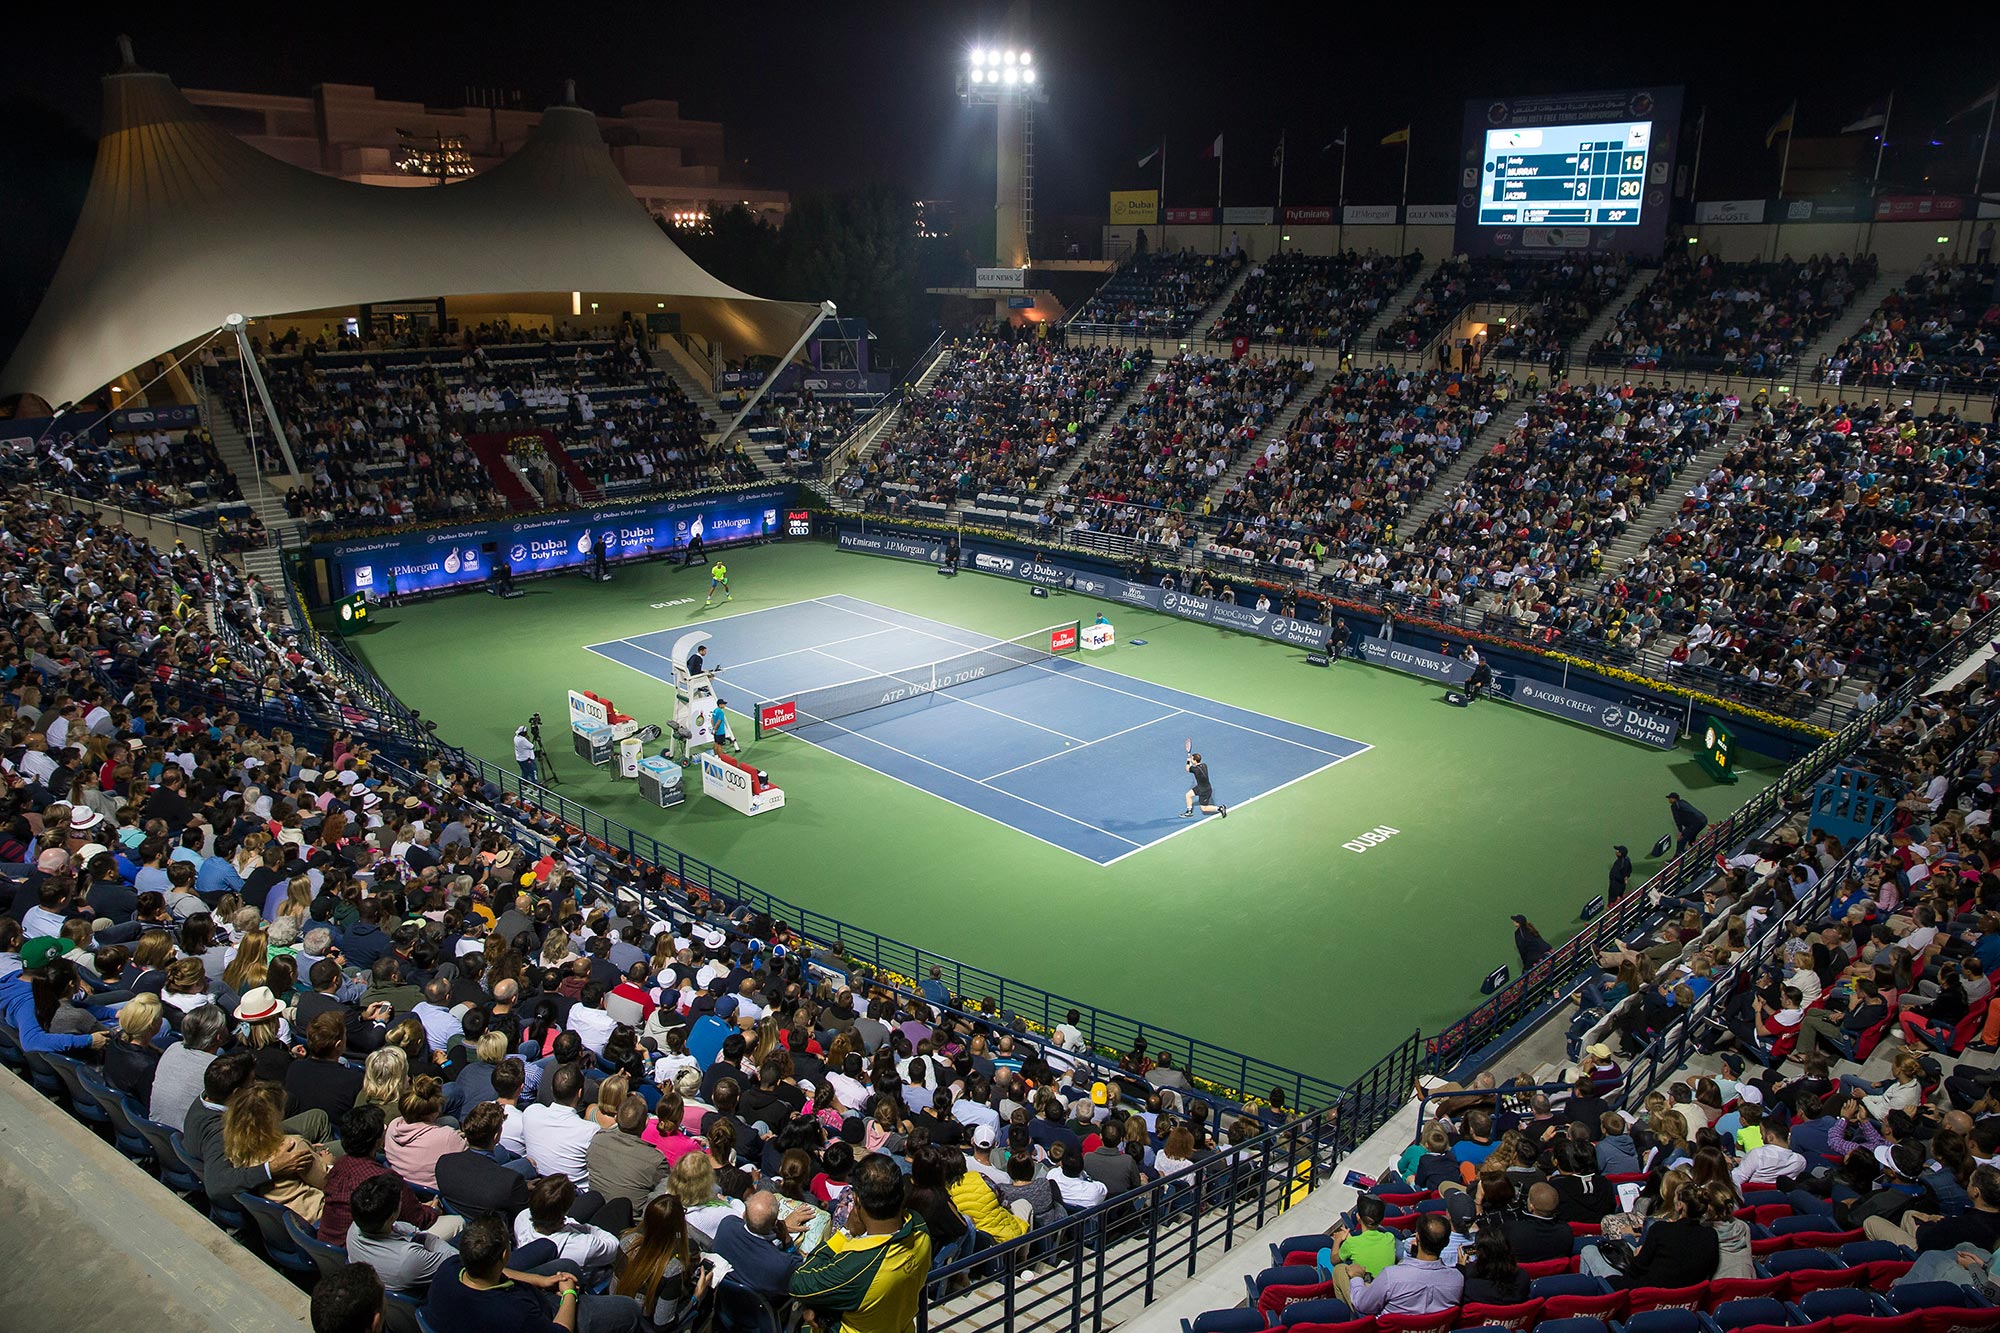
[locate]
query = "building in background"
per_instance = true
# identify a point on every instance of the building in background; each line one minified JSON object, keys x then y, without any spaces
{"x":935,"y":218}
{"x":676,"y":167}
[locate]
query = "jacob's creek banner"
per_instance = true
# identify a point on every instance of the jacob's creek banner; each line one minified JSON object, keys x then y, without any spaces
{"x":1012,"y":563}
{"x":1135,"y":208}
{"x":449,"y":557}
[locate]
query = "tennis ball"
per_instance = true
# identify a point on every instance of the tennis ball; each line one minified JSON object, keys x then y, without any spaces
{"x":1065,"y":745}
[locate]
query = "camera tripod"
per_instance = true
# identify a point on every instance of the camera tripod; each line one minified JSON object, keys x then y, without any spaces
{"x":543,"y":767}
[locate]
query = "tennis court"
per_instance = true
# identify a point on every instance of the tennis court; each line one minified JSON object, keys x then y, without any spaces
{"x":1073,"y":755}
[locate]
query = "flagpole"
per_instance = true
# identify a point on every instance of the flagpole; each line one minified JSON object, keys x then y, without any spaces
{"x":1785,"y":161}
{"x":1281,"y":192}
{"x":1979,"y":173}
{"x":1881,"y":145}
{"x":1342,"y":218}
{"x":1409,"y":134}
{"x":1218,"y":199}
{"x":1163,"y":194}
{"x":1694,"y":181}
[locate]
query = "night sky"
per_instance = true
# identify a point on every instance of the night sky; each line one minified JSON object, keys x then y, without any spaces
{"x":831,"y":95}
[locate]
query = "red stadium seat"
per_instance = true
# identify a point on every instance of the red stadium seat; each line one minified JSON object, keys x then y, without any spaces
{"x":1723,"y":1289}
{"x":1642,"y":1299}
{"x":1520,"y":1316}
{"x":1610,"y":1306}
{"x":1550,"y":1267}
{"x":1955,"y":1319}
{"x":1441,"y":1321}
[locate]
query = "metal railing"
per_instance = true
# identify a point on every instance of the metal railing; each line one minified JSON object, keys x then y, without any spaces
{"x":1669,"y":1052}
{"x":1558,"y":973}
{"x":1104,"y":1263}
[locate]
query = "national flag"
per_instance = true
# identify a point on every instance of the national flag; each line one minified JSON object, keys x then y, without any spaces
{"x":1278,"y":153}
{"x":1399,"y":136}
{"x":1985,"y":99}
{"x":1783,"y":125}
{"x":1214,"y":150}
{"x":1152,"y":155}
{"x":1874,"y":118}
{"x":1341,"y":142}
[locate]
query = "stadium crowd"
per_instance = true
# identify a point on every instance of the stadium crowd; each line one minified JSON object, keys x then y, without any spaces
{"x":1160,"y":294}
{"x":1557,"y":297}
{"x":449,"y":1037}
{"x":1184,"y":431}
{"x":1745,"y":318}
{"x":1002,"y":416}
{"x":1316,"y":300}
{"x":1830,"y":539}
{"x":1939,"y":330}
{"x":1338,"y":480}
{"x":1827,"y":1154}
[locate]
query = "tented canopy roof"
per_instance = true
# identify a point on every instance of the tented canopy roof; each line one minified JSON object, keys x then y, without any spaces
{"x":185,"y":224}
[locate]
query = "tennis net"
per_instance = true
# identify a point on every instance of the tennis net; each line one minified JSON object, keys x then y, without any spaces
{"x":890,"y":687}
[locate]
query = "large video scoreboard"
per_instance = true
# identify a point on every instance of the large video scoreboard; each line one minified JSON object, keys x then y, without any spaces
{"x":1579,"y":171}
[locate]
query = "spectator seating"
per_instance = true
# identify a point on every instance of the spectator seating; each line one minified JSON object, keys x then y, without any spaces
{"x":1744,"y":319}
{"x":1939,"y":330}
{"x":1000,"y":418}
{"x":1193,"y":420}
{"x":1160,"y":295}
{"x":1831,"y":539}
{"x":1557,"y":298}
{"x":1312,"y":300}
{"x":1338,"y":480}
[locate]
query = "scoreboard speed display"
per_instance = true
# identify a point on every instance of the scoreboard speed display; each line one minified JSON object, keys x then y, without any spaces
{"x":1585,"y":175}
{"x":1568,"y":172}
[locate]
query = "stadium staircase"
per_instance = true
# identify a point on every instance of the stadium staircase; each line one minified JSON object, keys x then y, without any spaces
{"x":1497,"y":428}
{"x":586,"y":490}
{"x":507,"y":478}
{"x":669,"y":361}
{"x":1240,"y":469}
{"x":1213,"y":310}
{"x":1578,"y":354}
{"x":1646,"y":524}
{"x":1866,"y":301}
{"x":1116,"y":414}
{"x":265,"y":496}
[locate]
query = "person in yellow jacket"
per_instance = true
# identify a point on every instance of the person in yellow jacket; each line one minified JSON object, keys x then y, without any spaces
{"x":976,"y":1199}
{"x":869,"y":1277}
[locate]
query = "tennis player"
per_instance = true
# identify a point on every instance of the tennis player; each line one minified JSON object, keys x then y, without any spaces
{"x":718,"y":577}
{"x":1201,"y":793}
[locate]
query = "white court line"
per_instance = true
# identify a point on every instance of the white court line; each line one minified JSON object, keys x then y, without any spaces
{"x":756,"y":661}
{"x":1061,"y":754}
{"x":962,"y":777}
{"x":960,"y":699}
{"x":693,"y":627}
{"x":1194,"y":824}
{"x":1157,"y":703}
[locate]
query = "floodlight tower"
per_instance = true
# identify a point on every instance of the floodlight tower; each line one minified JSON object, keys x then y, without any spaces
{"x":1004,"y":75}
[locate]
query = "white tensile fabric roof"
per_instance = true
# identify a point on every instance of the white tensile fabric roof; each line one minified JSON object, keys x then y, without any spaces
{"x":185,"y":224}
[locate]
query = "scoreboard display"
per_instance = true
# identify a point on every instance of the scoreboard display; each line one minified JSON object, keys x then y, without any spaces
{"x":1583,"y":175}
{"x":1718,"y":751}
{"x":1568,"y":172}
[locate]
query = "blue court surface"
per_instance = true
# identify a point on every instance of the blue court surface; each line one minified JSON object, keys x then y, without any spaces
{"x":1076,"y":756}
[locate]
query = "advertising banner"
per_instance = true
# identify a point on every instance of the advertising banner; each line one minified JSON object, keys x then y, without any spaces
{"x":1191,"y":215}
{"x":1135,"y":208}
{"x":1556,"y":700}
{"x":775,"y":715}
{"x":1062,"y":640}
{"x":1918,"y":207}
{"x":1249,"y":217}
{"x":1013,"y":279}
{"x":1432,"y":215}
{"x":1412,"y":660}
{"x":1310,"y":214}
{"x":794,"y":378}
{"x":455,"y":556}
{"x":171,"y":416}
{"x":1729,"y":211}
{"x":1369,"y":215}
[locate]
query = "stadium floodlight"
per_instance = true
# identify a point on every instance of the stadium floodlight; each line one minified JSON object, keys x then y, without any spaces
{"x":1010,"y":57}
{"x":1027,"y":58}
{"x":978,"y":57}
{"x":1012,"y":76}
{"x":1027,"y":76}
{"x":978,"y":75}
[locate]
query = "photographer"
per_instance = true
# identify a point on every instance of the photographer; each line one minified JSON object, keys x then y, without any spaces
{"x":524,"y":754}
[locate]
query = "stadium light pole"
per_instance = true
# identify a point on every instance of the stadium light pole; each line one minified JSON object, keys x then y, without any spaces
{"x":1007,"y":78}
{"x":252,"y":374}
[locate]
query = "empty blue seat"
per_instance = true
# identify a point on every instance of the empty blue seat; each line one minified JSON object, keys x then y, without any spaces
{"x":1311,"y":1244}
{"x":1796,"y":1261}
{"x":1872,"y":1252}
{"x":1929,"y":1295}
{"x":1568,"y":1284}
{"x":1668,"y":1321}
{"x":1754,"y":1310}
{"x":1235,"y":1320}
{"x":1320,"y":1310}
{"x":1836,"y":1301}
{"x":1571,"y":1326}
